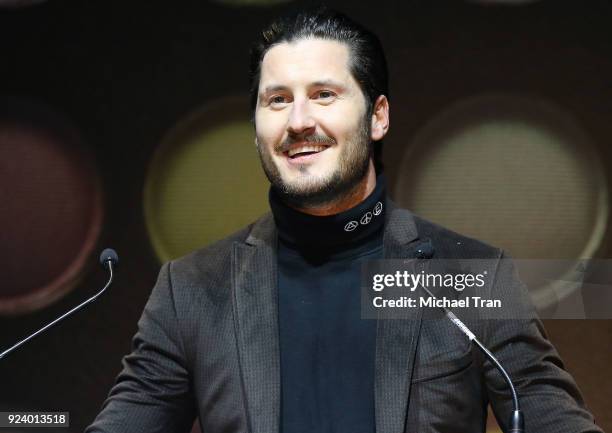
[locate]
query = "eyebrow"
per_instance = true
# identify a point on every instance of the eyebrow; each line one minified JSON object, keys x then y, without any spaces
{"x":321,"y":83}
{"x":328,"y":83}
{"x":273,"y":88}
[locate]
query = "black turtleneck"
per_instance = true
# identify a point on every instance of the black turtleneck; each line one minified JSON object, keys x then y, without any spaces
{"x":327,"y":350}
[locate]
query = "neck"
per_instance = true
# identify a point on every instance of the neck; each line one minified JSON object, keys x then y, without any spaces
{"x":358,"y":194}
{"x":340,"y":231}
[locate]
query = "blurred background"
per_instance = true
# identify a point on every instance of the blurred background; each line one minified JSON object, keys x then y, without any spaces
{"x":126,"y":124}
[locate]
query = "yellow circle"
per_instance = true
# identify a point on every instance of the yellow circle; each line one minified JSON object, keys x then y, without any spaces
{"x":513,"y":171}
{"x":516,"y":172}
{"x":205,"y":180}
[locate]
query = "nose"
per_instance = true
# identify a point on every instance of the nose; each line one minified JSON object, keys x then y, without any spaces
{"x":300,"y":120}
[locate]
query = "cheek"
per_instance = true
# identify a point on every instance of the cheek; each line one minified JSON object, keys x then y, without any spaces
{"x":269,"y":127}
{"x":340,"y":123}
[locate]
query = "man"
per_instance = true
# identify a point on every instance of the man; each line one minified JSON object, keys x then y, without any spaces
{"x":261,"y":332}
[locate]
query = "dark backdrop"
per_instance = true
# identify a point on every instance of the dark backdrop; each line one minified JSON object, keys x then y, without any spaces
{"x":125,"y":72}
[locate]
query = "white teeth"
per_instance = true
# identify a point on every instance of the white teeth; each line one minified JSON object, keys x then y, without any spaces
{"x":313,"y":148}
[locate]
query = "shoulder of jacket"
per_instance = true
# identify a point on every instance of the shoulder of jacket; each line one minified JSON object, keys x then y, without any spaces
{"x":450,"y":244}
{"x":211,"y":262}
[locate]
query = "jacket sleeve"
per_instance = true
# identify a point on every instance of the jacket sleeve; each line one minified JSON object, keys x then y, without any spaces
{"x":152,"y":393}
{"x":548,"y":395}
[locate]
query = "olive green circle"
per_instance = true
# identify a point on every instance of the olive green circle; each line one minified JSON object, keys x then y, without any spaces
{"x":204,"y":181}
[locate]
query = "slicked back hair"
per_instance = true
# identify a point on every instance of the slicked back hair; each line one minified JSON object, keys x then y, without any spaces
{"x":366,"y":56}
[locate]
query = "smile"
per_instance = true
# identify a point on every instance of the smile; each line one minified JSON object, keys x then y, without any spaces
{"x":304,"y":154}
{"x":305,"y":150}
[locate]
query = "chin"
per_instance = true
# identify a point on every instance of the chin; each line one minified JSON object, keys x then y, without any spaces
{"x":308,"y":184}
{"x":313,"y":193}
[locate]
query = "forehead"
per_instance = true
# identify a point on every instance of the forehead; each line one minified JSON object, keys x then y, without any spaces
{"x":309,"y":59}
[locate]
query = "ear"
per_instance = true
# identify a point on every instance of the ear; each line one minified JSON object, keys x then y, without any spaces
{"x":380,"y":118}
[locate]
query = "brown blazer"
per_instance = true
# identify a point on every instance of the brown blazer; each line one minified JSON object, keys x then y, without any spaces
{"x":207,"y":345}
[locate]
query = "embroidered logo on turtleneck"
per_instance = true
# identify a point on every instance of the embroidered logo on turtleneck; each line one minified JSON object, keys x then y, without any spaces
{"x":350,"y":226}
{"x":365,"y":218}
{"x":377,"y":209}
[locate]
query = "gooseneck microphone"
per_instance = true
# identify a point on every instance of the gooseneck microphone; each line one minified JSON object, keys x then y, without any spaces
{"x":517,"y":423}
{"x":108,"y":259}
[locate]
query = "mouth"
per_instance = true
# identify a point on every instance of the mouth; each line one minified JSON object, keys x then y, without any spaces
{"x":304,"y":152}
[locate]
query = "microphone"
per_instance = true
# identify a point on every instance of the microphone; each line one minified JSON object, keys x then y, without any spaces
{"x":108,"y":259}
{"x":425,"y":250}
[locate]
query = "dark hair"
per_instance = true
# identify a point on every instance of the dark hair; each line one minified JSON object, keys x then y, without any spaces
{"x":367,"y":59}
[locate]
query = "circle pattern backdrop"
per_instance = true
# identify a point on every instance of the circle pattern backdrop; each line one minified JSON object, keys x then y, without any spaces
{"x":515,"y":172}
{"x":205,"y":180}
{"x":52,"y":210}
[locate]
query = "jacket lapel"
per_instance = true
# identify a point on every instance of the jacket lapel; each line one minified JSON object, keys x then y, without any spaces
{"x":396,"y":339}
{"x":256,"y":320}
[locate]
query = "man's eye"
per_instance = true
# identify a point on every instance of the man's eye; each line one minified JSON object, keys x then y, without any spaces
{"x":278,"y":99}
{"x":326,"y":94}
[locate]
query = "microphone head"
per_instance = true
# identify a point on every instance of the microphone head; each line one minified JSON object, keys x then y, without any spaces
{"x":109,"y":255}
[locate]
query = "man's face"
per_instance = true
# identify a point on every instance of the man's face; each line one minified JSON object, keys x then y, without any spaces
{"x":313,"y":134}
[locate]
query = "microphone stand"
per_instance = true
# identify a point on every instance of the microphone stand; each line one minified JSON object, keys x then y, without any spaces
{"x":108,"y":258}
{"x":517,"y":421}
